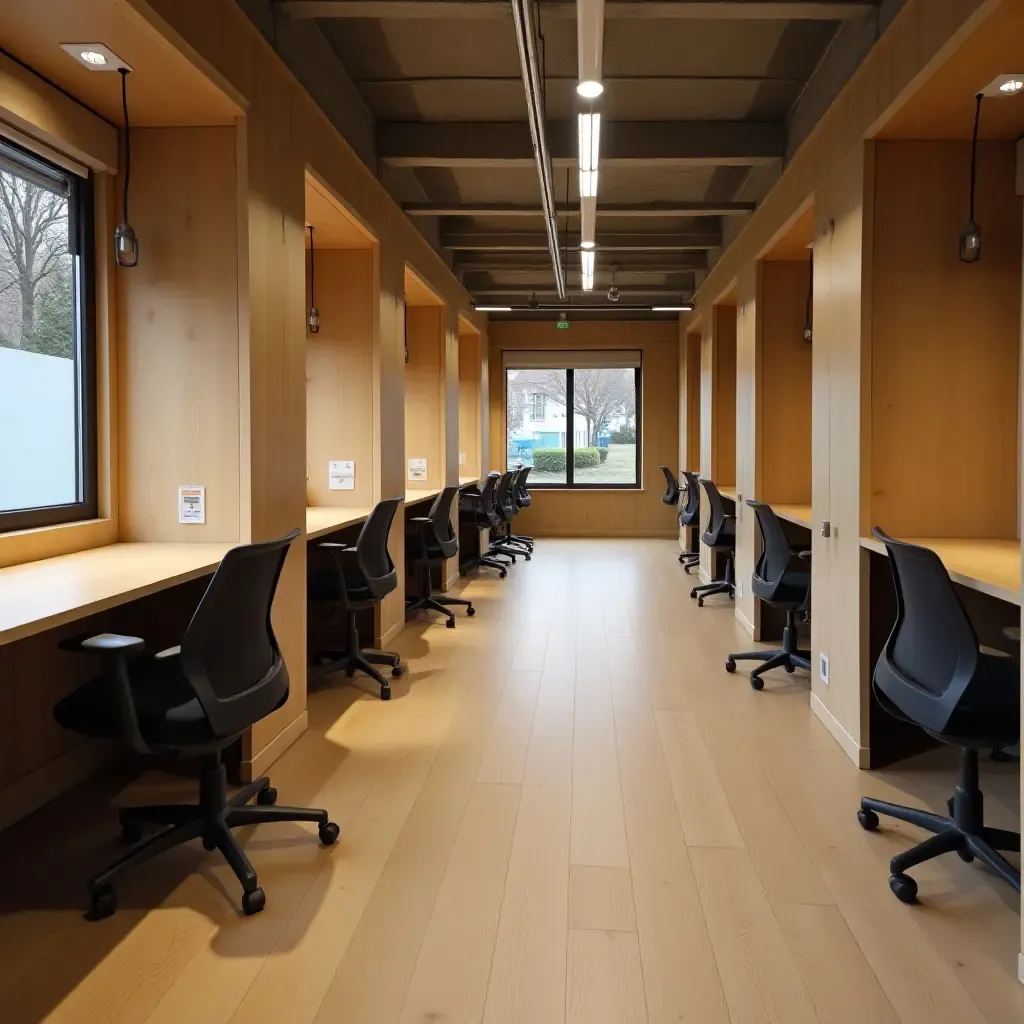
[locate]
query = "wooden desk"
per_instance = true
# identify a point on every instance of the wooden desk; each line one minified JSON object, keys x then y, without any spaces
{"x":468,"y":481}
{"x":324,"y":519}
{"x":799,"y":514}
{"x":728,"y":491}
{"x":415,"y":494}
{"x":40,"y":595}
{"x":991,"y":566}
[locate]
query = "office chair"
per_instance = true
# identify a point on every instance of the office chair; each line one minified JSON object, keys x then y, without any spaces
{"x":932,"y":674}
{"x":503,"y":544}
{"x":360,"y":578}
{"x":477,"y":508}
{"x":513,"y":539}
{"x":523,"y":500}
{"x":689,"y":515}
{"x":195,"y":701}
{"x":671,"y":495}
{"x":782,"y":578}
{"x":430,"y":540}
{"x":719,"y":536}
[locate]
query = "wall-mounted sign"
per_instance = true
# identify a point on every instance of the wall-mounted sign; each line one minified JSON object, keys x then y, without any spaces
{"x":192,"y":504}
{"x":418,"y":470}
{"x":341,"y":475}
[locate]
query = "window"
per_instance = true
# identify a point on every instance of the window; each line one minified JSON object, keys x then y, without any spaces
{"x":47,"y":386}
{"x":600,"y":422}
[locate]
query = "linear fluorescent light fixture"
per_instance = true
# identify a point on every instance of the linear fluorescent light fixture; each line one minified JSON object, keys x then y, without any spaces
{"x":671,"y":309}
{"x":590,"y":147}
{"x":589,"y":46}
{"x":587,"y":269}
{"x":95,"y":56}
{"x":493,"y":309}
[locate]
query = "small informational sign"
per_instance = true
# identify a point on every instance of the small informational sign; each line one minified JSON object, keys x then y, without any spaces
{"x":341,"y":475}
{"x":418,"y":470}
{"x":192,"y":504}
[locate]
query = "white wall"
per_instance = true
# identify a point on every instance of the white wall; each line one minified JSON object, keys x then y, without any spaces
{"x":37,"y":430}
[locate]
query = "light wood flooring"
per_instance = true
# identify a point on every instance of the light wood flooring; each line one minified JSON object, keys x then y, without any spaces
{"x":568,"y":814}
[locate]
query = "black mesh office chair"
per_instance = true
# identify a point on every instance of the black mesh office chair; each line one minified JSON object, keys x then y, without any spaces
{"x":513,"y":539}
{"x":477,"y":508}
{"x":782,"y":577}
{"x":431,"y":541}
{"x":671,"y":495}
{"x":523,"y":499}
{"x":506,"y":509}
{"x":933,"y":674}
{"x":359,"y":579}
{"x":689,"y":515}
{"x":719,"y":536}
{"x":194,"y":701}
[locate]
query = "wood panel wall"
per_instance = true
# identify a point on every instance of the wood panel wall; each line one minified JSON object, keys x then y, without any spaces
{"x":425,"y":387}
{"x":470,"y":406}
{"x":339,"y":376}
{"x":178,"y":328}
{"x":750,"y":358}
{"x":945,"y":343}
{"x":598,"y":513}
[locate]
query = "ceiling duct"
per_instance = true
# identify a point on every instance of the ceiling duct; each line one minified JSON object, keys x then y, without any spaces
{"x":526,"y":37}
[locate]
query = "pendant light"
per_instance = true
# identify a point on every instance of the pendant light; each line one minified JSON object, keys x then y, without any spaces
{"x":313,"y":316}
{"x":970,"y":238}
{"x":126,"y":244}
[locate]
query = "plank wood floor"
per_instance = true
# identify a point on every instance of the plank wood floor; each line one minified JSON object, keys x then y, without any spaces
{"x":568,"y":814}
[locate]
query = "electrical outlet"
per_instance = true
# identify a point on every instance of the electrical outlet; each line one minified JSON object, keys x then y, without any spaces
{"x":823,"y":667}
{"x":739,"y":589}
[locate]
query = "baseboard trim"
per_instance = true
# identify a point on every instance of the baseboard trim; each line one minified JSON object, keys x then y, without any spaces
{"x":859,"y":755}
{"x":253,"y":769}
{"x":704,"y":576}
{"x":452,"y":580}
{"x":748,"y":625}
{"x":39,"y":787}
{"x":390,"y":635}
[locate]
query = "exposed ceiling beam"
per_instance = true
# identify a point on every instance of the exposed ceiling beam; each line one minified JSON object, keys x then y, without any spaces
{"x":625,"y":143}
{"x":535,"y":241}
{"x":703,"y":10}
{"x":525,"y":263}
{"x":617,"y":79}
{"x":628,"y":292}
{"x":694,"y":209}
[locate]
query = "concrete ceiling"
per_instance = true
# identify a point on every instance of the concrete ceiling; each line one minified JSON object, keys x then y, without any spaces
{"x":704,"y":101}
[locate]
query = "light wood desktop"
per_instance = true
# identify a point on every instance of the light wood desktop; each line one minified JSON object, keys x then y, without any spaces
{"x":40,"y":595}
{"x":799,"y":514}
{"x":990,"y":566}
{"x":728,"y":491}
{"x":465,"y":481}
{"x":324,"y":519}
{"x":417,"y":494}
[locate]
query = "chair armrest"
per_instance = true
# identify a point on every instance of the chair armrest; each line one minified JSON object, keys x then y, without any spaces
{"x":168,"y":652}
{"x":339,"y":548}
{"x":104,"y":643}
{"x":804,"y":553}
{"x":419,"y":519}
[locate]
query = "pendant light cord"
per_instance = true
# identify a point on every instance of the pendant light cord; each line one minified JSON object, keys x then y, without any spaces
{"x":127,"y":144}
{"x":974,"y":150}
{"x":312,"y":269}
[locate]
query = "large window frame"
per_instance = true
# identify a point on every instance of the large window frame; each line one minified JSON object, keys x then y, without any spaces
{"x":570,"y":482}
{"x":81,"y":244}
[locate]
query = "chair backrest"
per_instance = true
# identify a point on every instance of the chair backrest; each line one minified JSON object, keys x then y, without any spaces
{"x":504,"y":497}
{"x":932,"y":652}
{"x":229,"y":653}
{"x":372,"y":553}
{"x":671,"y":495}
{"x":523,"y":494}
{"x":441,"y":522}
{"x":776,"y":553}
{"x":513,"y":490}
{"x":689,"y":514}
{"x":717,"y":509}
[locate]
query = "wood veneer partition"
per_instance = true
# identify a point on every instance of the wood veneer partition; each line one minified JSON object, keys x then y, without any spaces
{"x":425,"y":410}
{"x":597,"y":513}
{"x":471,"y":402}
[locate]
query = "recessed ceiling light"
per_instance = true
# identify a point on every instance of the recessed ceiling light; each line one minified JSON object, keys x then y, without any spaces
{"x":586,"y":245}
{"x":1005,"y":85}
{"x":590,"y":89}
{"x":493,"y":309}
{"x":671,"y":309}
{"x":95,"y":56}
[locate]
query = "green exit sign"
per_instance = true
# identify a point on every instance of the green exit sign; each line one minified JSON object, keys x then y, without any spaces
{"x":562,"y":325}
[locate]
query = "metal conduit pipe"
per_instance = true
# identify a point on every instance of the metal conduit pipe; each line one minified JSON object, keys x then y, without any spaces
{"x":526,"y":37}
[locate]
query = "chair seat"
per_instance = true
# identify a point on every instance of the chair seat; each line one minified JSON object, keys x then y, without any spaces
{"x":324,"y":585}
{"x":789,"y":592}
{"x":168,"y":711}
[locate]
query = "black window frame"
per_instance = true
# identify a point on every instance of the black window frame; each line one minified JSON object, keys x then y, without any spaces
{"x":570,"y":442}
{"x":81,"y":240}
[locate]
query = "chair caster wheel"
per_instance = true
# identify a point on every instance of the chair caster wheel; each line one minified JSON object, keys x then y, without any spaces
{"x":396,"y":671}
{"x":527,"y":557}
{"x":949,"y":806}
{"x":868,"y":820}
{"x":730,"y":665}
{"x":349,"y":673}
{"x":267,"y":797}
{"x":700,"y":602}
{"x":693,"y":593}
{"x":471,"y":611}
{"x":502,"y":574}
{"x":450,"y":624}
{"x":681,"y":559}
{"x":254,"y":901}
{"x":102,"y":903}
{"x":790,"y":669}
{"x":904,"y":888}
{"x":131,"y":832}
{"x":329,"y":833}
{"x":756,"y":683}
{"x":966,"y":856}
{"x":385,"y":693}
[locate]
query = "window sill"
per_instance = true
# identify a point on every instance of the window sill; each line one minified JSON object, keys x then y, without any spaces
{"x":20,"y":546}
{"x":597,"y":489}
